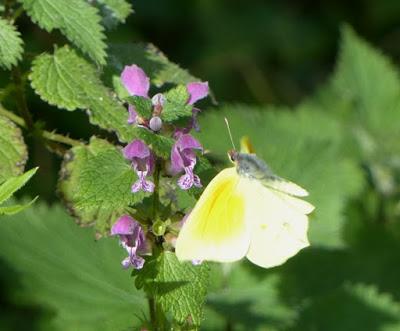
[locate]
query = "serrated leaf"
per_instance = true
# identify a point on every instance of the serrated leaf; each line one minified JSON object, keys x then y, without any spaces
{"x":155,"y":64}
{"x":68,"y":81}
{"x":62,"y":268}
{"x":179,"y":288}
{"x":161,"y":145}
{"x":365,"y":89}
{"x":143,"y":106}
{"x":120,"y":8}
{"x":178,"y":95}
{"x":176,"y":106}
{"x":358,"y":70}
{"x":76,"y":19}
{"x":364,"y":93}
{"x":96,"y":183}
{"x":13,"y":151}
{"x":302,"y":147}
{"x":13,"y":184}
{"x":11,"y":44}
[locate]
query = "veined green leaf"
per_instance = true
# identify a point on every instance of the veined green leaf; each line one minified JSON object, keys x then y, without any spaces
{"x":176,"y":106}
{"x":143,"y":106}
{"x":76,"y":19}
{"x":96,"y":184}
{"x":68,"y":81}
{"x":179,"y":288}
{"x":10,"y":44}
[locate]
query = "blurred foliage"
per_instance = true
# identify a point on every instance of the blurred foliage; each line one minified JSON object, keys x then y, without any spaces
{"x":69,"y":276}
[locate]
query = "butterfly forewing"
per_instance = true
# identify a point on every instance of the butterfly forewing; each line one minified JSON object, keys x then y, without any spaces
{"x":215,"y":230}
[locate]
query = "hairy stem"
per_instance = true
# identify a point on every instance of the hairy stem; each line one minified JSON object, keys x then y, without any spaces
{"x":51,"y":136}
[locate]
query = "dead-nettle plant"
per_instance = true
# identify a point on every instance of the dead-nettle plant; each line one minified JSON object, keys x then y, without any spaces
{"x":138,"y":180}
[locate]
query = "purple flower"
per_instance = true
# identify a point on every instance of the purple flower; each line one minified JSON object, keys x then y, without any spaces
{"x":132,"y":238}
{"x":135,"y":81}
{"x":183,"y":158}
{"x":132,"y":119}
{"x":197,"y":91}
{"x":142,"y":162}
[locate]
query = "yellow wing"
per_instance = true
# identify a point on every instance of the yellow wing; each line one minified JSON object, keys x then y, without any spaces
{"x":279,"y":224}
{"x":216,"y":229}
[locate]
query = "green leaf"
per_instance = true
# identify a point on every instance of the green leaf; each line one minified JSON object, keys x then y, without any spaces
{"x":13,"y":184}
{"x":120,"y":9}
{"x":248,"y":298}
{"x":175,"y":106}
{"x":354,"y":95}
{"x":155,"y":64}
{"x":11,"y":44}
{"x":143,"y":106}
{"x":364,"y":94}
{"x":358,"y":70}
{"x":96,"y":183}
{"x":14,"y":209}
{"x":68,"y":81}
{"x":369,"y":310}
{"x":179,"y":288}
{"x":161,"y":145}
{"x":304,"y":147}
{"x":63,"y":269}
{"x":13,"y":152}
{"x":76,"y":19}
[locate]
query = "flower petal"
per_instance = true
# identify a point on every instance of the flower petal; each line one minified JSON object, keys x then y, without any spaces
{"x":132,"y":115}
{"x":125,"y":225}
{"x":136,"y":149}
{"x":197,"y":91}
{"x":135,"y":80}
{"x":186,"y":141}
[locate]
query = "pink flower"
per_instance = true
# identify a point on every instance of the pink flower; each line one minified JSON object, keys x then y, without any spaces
{"x":142,"y":162}
{"x":132,"y":238}
{"x":183,"y":158}
{"x":137,"y":83}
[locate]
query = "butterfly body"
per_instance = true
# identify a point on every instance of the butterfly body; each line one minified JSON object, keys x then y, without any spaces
{"x":247,"y":211}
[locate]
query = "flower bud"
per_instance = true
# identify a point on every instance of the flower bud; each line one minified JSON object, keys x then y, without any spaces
{"x":158,"y":99}
{"x":155,"y":123}
{"x":158,"y":228}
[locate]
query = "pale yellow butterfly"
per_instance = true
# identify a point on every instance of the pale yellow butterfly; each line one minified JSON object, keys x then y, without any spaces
{"x":246,"y":211}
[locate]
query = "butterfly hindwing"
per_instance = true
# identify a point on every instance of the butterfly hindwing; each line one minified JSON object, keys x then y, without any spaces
{"x":279,"y":224}
{"x":216,"y":229}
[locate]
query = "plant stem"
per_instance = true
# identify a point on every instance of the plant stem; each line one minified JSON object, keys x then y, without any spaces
{"x":21,"y":103}
{"x":43,"y":133}
{"x":156,"y":194}
{"x":155,"y":244}
{"x":153,"y":313}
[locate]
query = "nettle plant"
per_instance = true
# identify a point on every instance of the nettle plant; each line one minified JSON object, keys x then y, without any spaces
{"x":138,"y":184}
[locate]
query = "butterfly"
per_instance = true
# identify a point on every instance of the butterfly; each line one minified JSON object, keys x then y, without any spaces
{"x":246,"y":211}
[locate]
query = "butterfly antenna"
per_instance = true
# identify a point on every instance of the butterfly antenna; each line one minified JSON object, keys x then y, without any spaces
{"x":230,"y":133}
